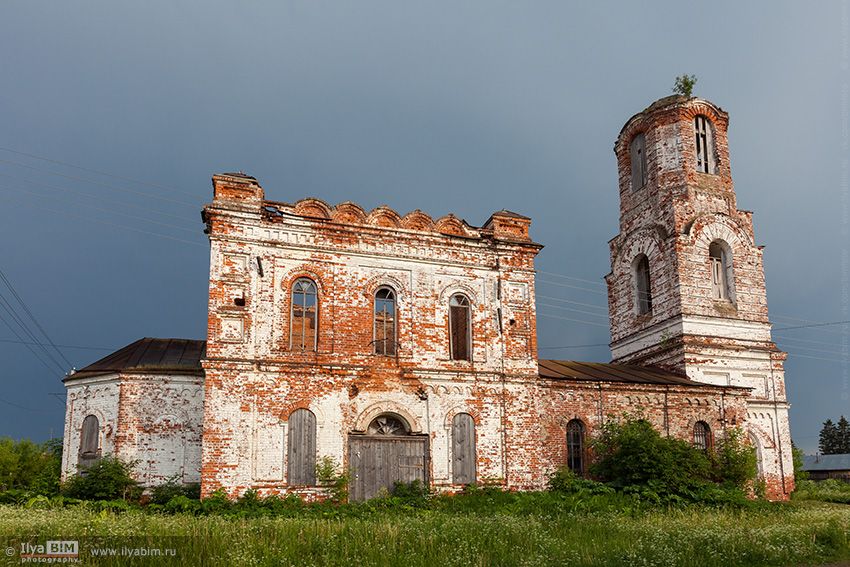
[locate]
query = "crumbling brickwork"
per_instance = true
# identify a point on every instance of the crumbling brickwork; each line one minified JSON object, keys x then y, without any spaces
{"x":151,"y":420}
{"x":711,"y":325}
{"x":257,"y":375}
{"x":404,"y":347}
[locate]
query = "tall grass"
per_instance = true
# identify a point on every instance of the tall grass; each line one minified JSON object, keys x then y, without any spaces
{"x":509,"y":532}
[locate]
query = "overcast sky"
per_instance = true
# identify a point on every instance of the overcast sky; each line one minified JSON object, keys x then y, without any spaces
{"x":463,"y":107}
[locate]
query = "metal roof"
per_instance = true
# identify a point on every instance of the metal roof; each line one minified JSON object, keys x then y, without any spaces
{"x":181,"y":356}
{"x":826,"y":462}
{"x":609,"y":372}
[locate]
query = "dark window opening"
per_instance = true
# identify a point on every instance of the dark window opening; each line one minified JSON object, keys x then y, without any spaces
{"x":643,"y":286}
{"x":638,"y":159}
{"x":575,"y":446}
{"x":702,"y":435}
{"x":460,"y":328}
{"x":704,"y":145}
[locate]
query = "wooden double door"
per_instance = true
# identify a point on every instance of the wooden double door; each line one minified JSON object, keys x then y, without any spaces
{"x":379,"y":461}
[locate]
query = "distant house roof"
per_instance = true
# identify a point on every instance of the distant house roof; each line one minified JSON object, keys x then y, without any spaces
{"x":826,"y":462}
{"x":608,"y":372}
{"x":158,"y":356}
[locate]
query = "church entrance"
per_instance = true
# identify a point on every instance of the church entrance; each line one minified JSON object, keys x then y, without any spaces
{"x":387,"y":454}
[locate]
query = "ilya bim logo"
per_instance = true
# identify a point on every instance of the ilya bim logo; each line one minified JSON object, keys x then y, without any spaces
{"x":51,"y":551}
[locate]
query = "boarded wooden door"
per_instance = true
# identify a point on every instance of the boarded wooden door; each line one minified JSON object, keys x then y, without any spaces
{"x":463,"y":449}
{"x":379,"y":461}
{"x":302,"y":448}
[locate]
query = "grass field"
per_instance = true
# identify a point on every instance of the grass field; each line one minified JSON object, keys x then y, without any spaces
{"x":510,"y":530}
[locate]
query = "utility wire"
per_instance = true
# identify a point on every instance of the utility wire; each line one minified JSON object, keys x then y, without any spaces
{"x":592,"y":306}
{"x":32,"y":317}
{"x":7,"y":306}
{"x":557,"y":275}
{"x":573,"y":346}
{"x":98,"y":172}
{"x":561,"y":307}
{"x":93,"y":182}
{"x":107,"y":223}
{"x":60,"y":346}
{"x":101,"y":209}
{"x":833,"y":323}
{"x":33,"y":351}
{"x":30,"y":182}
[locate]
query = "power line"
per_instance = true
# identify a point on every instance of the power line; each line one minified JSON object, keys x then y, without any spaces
{"x":112,"y":224}
{"x":560,"y":284}
{"x":549,"y":315}
{"x":101,"y":209}
{"x":33,"y":351}
{"x":573,"y":310}
{"x":90,"y":195}
{"x":557,"y":275}
{"x":833,"y":323}
{"x":90,"y":170}
{"x":60,"y":346}
{"x":592,"y":306}
{"x":32,"y":317}
{"x":573,"y":346}
{"x":93,"y":182}
{"x":7,"y":306}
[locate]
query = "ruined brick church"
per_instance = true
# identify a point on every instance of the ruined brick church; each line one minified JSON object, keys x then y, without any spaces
{"x":405,"y":348}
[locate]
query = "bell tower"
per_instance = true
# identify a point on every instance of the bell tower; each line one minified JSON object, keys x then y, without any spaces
{"x":686,"y":289}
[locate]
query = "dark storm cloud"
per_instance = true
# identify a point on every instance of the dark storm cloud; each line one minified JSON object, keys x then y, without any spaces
{"x":463,"y":108}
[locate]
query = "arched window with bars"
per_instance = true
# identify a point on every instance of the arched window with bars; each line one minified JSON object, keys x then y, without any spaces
{"x":385,"y":322}
{"x":304,"y":320}
{"x":702,"y":435}
{"x":575,"y":446}
{"x":703,"y":130}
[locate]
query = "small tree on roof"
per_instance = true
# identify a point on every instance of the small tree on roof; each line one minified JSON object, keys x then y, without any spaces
{"x":684,"y":85}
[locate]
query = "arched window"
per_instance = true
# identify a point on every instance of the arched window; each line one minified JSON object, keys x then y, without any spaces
{"x":89,"y":441}
{"x":385,"y":322}
{"x":638,"y":159}
{"x":301,"y":441}
{"x":303,"y":324}
{"x":388,"y":424}
{"x":702,"y":435}
{"x":704,"y":144}
{"x":463,"y":449}
{"x":575,"y":446}
{"x":460,"y":328}
{"x":721,"y":271}
{"x":643,"y":287}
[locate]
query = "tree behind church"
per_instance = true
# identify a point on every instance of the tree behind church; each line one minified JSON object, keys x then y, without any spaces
{"x":835,"y":438}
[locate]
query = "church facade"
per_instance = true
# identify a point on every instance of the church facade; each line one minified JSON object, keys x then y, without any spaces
{"x":402,"y":348}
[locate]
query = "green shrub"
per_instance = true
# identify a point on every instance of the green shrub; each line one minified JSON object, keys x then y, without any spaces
{"x":107,"y":479}
{"x":413,"y":489}
{"x":335,"y":480}
{"x":25,"y":465}
{"x":565,"y":480}
{"x":634,"y":457}
{"x":182,"y":504}
{"x":173,"y":487}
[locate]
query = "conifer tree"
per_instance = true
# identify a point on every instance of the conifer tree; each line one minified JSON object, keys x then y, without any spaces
{"x":827,"y":443}
{"x":843,"y":436}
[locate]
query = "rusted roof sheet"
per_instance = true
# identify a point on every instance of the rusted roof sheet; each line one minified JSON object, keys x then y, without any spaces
{"x":158,"y":356}
{"x":608,"y":372}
